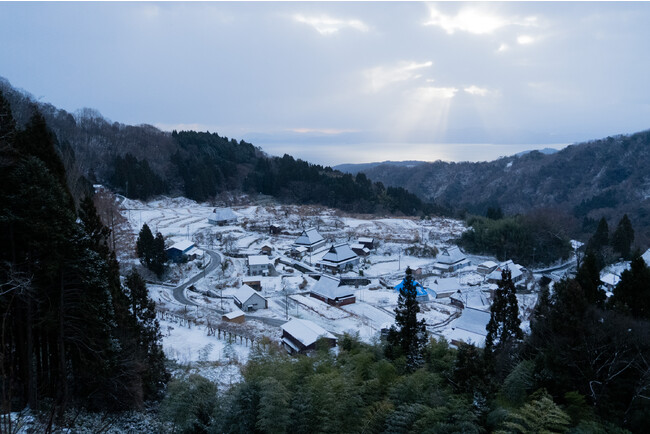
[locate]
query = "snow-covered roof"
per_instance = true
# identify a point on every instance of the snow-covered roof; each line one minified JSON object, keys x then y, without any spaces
{"x":366,"y":240}
{"x":451,"y":255}
{"x":234,"y":314}
{"x":305,"y":331}
{"x":488,"y":264}
{"x":515,"y":270}
{"x":465,"y":336}
{"x":246,"y":292}
{"x":447,"y":284}
{"x":194,"y":251}
{"x":473,"y":320}
{"x":309,"y":237}
{"x":329,"y":287}
{"x":183,"y":245}
{"x":259,"y":260}
{"x":610,"y":279}
{"x":223,"y":215}
{"x":339,"y":253}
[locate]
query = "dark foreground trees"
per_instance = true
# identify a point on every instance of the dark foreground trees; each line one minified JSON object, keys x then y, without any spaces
{"x":67,"y":333}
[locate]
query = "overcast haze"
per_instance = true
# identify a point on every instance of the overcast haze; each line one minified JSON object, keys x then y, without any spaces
{"x":344,"y":82}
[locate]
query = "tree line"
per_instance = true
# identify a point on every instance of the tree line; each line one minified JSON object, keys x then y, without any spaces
{"x":72,"y":333}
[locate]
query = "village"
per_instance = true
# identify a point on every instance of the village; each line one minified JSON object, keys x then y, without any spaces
{"x":297,"y":274}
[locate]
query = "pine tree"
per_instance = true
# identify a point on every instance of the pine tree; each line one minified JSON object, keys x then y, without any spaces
{"x":623,"y":237}
{"x":158,"y":255}
{"x":143,"y":311}
{"x":144,"y":245}
{"x":632,"y":294}
{"x":504,"y":325}
{"x":588,"y":277}
{"x":412,"y":334}
{"x":598,"y":242}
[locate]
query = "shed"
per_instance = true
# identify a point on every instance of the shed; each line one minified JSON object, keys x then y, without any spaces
{"x":222,"y":217}
{"x":236,"y":316}
{"x":360,"y":249}
{"x":300,"y":335}
{"x":246,"y":298}
{"x":330,"y":290}
{"x":367,"y":242}
{"x":486,"y":267}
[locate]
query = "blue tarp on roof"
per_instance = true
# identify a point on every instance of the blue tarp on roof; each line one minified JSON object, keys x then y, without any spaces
{"x":419,"y":289}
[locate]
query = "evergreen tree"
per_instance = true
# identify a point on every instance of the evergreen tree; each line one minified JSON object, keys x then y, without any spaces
{"x":143,"y":311}
{"x":623,"y":237}
{"x":598,"y":241}
{"x":412,"y":334}
{"x":504,"y":325}
{"x":588,"y":277}
{"x":158,"y":255}
{"x":144,"y":245}
{"x":632,"y":294}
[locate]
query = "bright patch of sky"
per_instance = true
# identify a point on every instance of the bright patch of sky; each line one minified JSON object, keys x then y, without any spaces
{"x":344,"y":82}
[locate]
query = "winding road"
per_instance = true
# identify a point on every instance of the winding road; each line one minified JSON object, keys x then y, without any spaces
{"x":215,"y":261}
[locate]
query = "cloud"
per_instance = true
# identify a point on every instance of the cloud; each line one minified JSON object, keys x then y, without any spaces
{"x":525,"y":39}
{"x":475,"y":90}
{"x":474,"y":20}
{"x":430,"y":93}
{"x":326,"y":25}
{"x":503,"y":47}
{"x":382,"y":76}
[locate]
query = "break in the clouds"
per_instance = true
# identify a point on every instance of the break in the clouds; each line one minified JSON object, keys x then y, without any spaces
{"x":326,"y":25}
{"x":344,"y":81}
{"x":477,"y":19}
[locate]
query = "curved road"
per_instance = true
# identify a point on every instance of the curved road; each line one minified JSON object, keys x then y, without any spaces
{"x":179,"y":291}
{"x":215,"y":260}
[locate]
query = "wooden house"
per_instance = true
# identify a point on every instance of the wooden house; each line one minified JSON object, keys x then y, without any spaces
{"x":236,"y":316}
{"x":339,"y":259}
{"x":222,"y":217}
{"x":329,"y":290}
{"x":310,"y":239}
{"x":300,"y":336}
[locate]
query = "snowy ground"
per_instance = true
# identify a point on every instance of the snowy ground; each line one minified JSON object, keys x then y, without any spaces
{"x":288,"y":293}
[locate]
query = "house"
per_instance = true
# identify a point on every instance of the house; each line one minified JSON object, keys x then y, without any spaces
{"x":609,"y":281}
{"x":470,"y":327}
{"x":517,"y":274}
{"x":451,"y":259}
{"x":183,"y":251}
{"x":236,"y":316}
{"x":222,"y":217}
{"x":338,"y":259}
{"x":266,"y":250}
{"x":310,"y":239}
{"x":368,"y":243}
{"x":485,"y":268}
{"x":421,"y":292}
{"x":297,"y":252}
{"x":329,"y":290}
{"x":300,"y":336}
{"x":260,"y":265}
{"x":360,"y":249}
{"x":446,"y":286}
{"x":246,"y":298}
{"x":646,"y":257}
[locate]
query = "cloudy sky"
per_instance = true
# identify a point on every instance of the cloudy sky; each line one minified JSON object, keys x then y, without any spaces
{"x":344,"y":82}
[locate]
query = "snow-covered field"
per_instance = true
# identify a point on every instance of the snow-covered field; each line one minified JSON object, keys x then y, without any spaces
{"x":187,"y":341}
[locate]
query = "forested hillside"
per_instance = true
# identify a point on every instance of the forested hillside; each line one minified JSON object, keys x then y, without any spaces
{"x":142,"y":161}
{"x":72,"y":333}
{"x":602,"y":178}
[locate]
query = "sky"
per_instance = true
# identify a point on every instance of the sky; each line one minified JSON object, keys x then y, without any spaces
{"x":344,"y":82}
